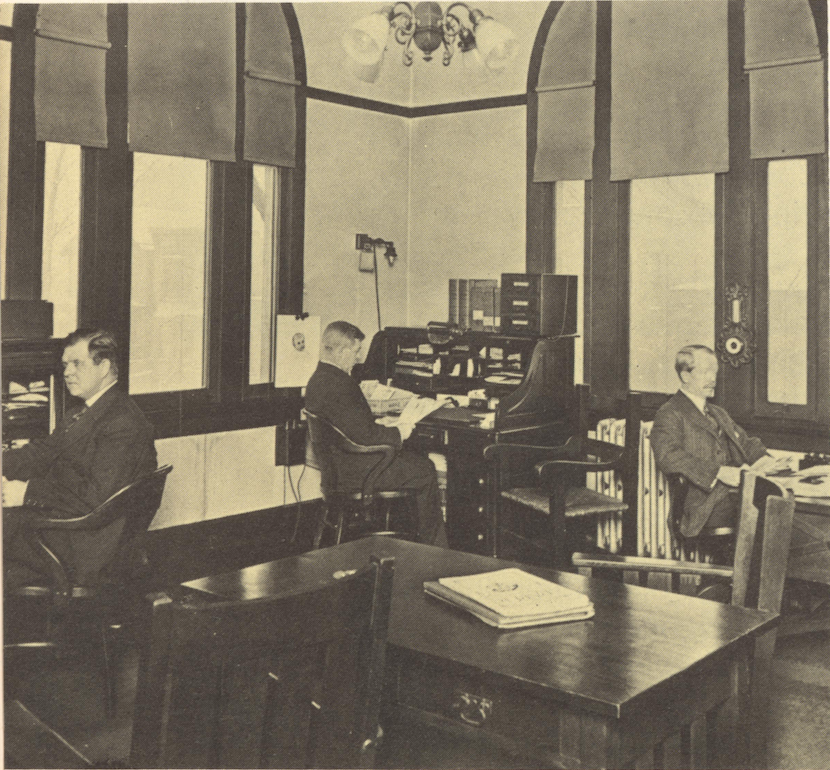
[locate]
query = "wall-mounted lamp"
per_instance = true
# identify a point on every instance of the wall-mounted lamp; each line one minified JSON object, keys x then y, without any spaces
{"x":428,"y":27}
{"x":368,"y":245}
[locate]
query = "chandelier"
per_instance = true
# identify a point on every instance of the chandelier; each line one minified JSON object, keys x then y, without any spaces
{"x":428,"y":27}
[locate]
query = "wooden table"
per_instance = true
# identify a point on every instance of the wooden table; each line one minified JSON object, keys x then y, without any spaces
{"x":653,"y":679}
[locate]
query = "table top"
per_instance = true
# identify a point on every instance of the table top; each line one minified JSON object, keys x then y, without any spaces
{"x":817,"y":506}
{"x":638,"y":641}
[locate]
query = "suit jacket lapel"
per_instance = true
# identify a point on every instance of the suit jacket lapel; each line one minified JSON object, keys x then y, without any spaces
{"x":694,"y":415}
{"x":86,"y":422}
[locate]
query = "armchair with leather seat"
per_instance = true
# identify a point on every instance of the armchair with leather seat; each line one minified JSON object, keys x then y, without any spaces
{"x":106,"y":601}
{"x":351,"y":511}
{"x":539,"y":522}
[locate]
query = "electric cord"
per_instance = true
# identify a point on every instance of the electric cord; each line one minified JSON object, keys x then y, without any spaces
{"x":377,"y":288}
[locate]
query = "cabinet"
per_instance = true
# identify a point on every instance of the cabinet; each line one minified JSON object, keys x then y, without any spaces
{"x":33,"y":393}
{"x":538,"y":303}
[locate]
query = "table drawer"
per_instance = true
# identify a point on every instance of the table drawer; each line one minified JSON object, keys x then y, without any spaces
{"x":427,"y":694}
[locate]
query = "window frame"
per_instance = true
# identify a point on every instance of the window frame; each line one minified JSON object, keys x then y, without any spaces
{"x":817,"y":291}
{"x":740,"y":232}
{"x":227,"y":402}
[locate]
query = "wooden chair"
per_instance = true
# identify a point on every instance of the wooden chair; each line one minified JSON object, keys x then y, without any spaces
{"x":536,"y":519}
{"x":755,"y":579}
{"x":293,"y":680}
{"x":364,"y":510}
{"x":107,"y":601}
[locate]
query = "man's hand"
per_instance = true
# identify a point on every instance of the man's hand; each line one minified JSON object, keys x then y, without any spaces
{"x":13,"y":492}
{"x":729,"y":475}
{"x":406,"y":429}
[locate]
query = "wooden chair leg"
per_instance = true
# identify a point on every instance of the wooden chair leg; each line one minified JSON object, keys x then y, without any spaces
{"x":110,"y":689}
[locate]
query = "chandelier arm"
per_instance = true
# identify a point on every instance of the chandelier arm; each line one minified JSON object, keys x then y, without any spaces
{"x":448,"y":51}
{"x":407,"y":49}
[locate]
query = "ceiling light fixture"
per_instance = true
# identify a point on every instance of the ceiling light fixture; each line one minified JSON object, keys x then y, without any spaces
{"x":428,"y":27}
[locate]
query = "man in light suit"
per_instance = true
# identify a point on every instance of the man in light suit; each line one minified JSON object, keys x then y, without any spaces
{"x":332,"y":393}
{"x":102,"y":445}
{"x":702,"y":443}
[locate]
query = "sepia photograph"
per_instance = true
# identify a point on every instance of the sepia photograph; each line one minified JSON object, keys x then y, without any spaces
{"x":415,"y":385}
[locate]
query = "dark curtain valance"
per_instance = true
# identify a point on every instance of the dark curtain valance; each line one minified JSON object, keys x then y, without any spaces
{"x":786,"y":79}
{"x":270,"y":111}
{"x":182,"y":79}
{"x":70,"y":70}
{"x":565,"y":128}
{"x":669,"y":88}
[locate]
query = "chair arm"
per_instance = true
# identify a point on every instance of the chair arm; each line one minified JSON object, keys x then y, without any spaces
{"x":647,"y":564}
{"x":499,"y":451}
{"x":609,"y":457}
{"x":95,"y":519}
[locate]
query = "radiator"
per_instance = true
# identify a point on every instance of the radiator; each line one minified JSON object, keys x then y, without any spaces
{"x":653,"y":499}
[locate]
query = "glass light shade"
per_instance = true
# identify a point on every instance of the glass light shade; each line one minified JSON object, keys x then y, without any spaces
{"x":495,"y":42}
{"x":365,"y":40}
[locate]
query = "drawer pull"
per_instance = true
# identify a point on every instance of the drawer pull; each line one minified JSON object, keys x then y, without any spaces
{"x":472,"y":709}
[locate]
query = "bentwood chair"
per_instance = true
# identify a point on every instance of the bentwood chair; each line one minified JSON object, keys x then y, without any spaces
{"x":291,"y":680}
{"x":755,"y":579}
{"x":539,"y":521}
{"x":106,"y":602}
{"x":367,"y":509}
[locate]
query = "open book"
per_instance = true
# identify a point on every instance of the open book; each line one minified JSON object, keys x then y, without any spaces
{"x":512,"y":598}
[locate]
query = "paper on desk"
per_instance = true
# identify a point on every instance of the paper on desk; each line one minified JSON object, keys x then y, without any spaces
{"x":810,"y":482}
{"x":418,"y":408}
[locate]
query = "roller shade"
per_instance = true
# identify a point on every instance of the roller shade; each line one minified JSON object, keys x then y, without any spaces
{"x":70,"y":70}
{"x":669,"y":88}
{"x":182,"y":79}
{"x":786,"y":79}
{"x":270,"y":111}
{"x":565,"y":94}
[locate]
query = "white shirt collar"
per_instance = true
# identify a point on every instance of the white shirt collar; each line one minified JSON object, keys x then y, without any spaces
{"x":92,"y":399}
{"x":698,"y":401}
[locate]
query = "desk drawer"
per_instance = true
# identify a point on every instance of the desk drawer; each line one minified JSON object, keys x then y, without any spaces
{"x":468,"y":701}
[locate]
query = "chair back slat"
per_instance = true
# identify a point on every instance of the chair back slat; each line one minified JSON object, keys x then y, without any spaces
{"x":287,"y":681}
{"x":762,"y":543}
{"x":775,"y":552}
{"x":326,"y":440}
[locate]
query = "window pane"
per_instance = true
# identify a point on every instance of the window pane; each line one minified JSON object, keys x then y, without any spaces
{"x":570,"y":251}
{"x":5,"y":81}
{"x":264,"y":249}
{"x":62,"y":233}
{"x":672,"y":282}
{"x":167,"y":307}
{"x":787,"y":275}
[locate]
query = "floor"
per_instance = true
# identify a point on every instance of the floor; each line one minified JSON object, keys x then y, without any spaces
{"x":67,"y":693}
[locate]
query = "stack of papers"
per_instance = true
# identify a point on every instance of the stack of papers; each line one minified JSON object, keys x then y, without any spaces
{"x":512,"y":598}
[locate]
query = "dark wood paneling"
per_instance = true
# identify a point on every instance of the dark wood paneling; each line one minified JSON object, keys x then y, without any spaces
{"x":23,"y":239}
{"x":606,"y":258}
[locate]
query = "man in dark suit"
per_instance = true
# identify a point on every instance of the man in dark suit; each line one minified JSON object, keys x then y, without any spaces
{"x":333,"y":394}
{"x":702,"y":443}
{"x":102,"y":445}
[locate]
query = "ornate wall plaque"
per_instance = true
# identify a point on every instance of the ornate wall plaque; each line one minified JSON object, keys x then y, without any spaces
{"x":736,"y":342}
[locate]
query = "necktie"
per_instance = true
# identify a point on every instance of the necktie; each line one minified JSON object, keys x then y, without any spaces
{"x":711,"y":418}
{"x":74,"y":418}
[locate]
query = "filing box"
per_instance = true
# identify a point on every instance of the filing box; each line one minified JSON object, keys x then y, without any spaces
{"x":538,"y":303}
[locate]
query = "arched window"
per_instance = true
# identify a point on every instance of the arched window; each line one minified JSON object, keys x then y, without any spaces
{"x":673,"y":146}
{"x":186,"y":123}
